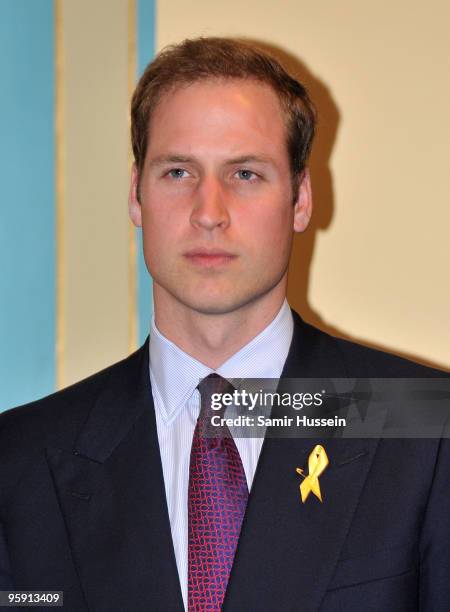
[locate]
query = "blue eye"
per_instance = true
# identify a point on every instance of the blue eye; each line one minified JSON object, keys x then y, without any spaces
{"x":246,"y":175}
{"x":177,"y":173}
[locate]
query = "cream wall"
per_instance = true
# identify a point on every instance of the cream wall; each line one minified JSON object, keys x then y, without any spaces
{"x":379,"y":246}
{"x":93,"y":231}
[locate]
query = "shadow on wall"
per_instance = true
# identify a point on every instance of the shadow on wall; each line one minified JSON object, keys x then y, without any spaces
{"x":322,"y":181}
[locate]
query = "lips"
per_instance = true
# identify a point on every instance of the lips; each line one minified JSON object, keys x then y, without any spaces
{"x":209,"y":257}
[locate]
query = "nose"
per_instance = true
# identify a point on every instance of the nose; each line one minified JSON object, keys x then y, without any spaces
{"x":210,"y":209}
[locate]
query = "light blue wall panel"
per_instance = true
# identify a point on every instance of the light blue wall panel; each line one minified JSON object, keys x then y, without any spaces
{"x":146,"y":24}
{"x":27,"y":201}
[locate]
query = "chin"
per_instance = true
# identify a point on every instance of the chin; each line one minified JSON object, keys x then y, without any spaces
{"x":217,"y":299}
{"x":219,"y":304}
{"x":212,"y":307}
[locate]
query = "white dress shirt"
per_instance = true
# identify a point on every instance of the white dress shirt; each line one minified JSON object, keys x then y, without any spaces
{"x":174,"y":377}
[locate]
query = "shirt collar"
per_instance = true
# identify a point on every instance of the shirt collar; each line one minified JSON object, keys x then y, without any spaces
{"x":175,"y":375}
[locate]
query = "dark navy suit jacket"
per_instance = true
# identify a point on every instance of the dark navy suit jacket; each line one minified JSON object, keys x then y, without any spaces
{"x":83,"y":507}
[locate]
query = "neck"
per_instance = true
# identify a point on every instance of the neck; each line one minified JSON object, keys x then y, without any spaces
{"x":214,"y":338}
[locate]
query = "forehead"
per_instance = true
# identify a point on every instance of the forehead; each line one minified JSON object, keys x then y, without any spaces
{"x":216,"y":113}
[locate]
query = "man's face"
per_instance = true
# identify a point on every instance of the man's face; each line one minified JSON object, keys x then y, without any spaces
{"x":216,"y":201}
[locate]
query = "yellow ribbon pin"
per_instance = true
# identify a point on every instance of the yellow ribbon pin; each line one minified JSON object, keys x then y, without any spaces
{"x":317,"y":462}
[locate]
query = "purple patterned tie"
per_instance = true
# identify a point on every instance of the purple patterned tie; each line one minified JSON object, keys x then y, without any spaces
{"x":217,"y":499}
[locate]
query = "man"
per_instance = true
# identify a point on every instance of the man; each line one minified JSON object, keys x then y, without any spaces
{"x":109,"y":491}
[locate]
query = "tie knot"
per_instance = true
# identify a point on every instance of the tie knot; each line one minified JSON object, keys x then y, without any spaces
{"x":212,"y":385}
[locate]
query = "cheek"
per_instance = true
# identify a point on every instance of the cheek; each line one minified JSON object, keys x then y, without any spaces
{"x":271,"y":243}
{"x":163,"y":232}
{"x":271,"y":231}
{"x":159,"y":223}
{"x":154,"y":230}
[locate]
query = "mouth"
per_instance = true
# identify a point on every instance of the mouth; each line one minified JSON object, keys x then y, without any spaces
{"x":209,"y":258}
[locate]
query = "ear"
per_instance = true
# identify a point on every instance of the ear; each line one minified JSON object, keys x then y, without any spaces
{"x":134,"y":207}
{"x":303,"y":204}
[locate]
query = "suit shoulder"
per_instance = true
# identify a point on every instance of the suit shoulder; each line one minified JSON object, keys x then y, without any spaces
{"x":54,"y":421}
{"x":57,"y":418}
{"x":366,"y":362}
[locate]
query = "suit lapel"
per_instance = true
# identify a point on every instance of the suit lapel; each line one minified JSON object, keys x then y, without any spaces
{"x":111,"y":492}
{"x":288,"y":550}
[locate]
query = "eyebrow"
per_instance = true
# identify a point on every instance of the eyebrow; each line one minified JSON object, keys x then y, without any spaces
{"x":172,"y":159}
{"x":186,"y":159}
